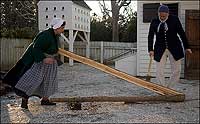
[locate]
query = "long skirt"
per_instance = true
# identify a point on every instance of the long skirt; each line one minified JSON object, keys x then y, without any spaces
{"x":15,"y":73}
{"x":40,"y":79}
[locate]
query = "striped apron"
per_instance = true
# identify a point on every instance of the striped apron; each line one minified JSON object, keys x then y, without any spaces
{"x":40,"y":79}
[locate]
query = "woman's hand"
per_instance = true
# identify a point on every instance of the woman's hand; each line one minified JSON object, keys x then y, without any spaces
{"x":49,"y":60}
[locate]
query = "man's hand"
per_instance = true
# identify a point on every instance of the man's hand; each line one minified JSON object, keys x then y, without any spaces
{"x":151,"y":53}
{"x":49,"y":60}
{"x":189,"y":51}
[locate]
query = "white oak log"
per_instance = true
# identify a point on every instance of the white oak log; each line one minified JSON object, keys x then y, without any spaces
{"x":142,"y":83}
{"x":126,"y":99}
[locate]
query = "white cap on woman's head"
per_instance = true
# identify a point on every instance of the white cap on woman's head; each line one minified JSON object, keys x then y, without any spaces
{"x":56,"y":23}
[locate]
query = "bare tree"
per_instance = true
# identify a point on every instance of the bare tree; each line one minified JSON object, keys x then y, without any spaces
{"x":116,"y":5}
{"x":27,"y":9}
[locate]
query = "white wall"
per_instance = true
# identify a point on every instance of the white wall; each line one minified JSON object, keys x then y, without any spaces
{"x":142,"y":36}
{"x":81,"y":18}
{"x":42,"y":12}
{"x":68,"y":12}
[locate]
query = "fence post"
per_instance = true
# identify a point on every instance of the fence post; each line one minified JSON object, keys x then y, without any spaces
{"x":62,"y":46}
{"x":102,"y":52}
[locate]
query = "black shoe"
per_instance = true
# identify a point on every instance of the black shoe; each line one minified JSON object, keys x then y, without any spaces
{"x":24,"y":103}
{"x":21,"y":93}
{"x":47,"y":102}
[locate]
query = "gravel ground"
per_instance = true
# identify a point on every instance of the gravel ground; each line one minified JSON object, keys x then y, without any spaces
{"x":82,"y":80}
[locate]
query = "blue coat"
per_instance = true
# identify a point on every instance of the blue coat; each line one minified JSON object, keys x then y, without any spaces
{"x":171,"y":42}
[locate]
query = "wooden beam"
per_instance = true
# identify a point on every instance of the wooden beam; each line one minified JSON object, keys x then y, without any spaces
{"x":82,"y":38}
{"x":150,"y":86}
{"x":126,"y":99}
{"x":74,"y":37}
{"x":66,"y":39}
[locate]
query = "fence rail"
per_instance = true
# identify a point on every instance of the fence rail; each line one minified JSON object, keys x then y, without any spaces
{"x":12,"y":49}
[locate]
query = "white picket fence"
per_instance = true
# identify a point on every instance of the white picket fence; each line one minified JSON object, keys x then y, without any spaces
{"x":12,"y":49}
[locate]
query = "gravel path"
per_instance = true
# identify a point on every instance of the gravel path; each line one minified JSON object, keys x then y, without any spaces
{"x":82,"y":80}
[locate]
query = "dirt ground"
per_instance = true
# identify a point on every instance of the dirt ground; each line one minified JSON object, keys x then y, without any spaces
{"x":82,"y":80}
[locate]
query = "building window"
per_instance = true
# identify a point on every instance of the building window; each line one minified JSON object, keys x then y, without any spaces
{"x":46,"y":9}
{"x":78,"y":18}
{"x":47,"y":16}
{"x":63,"y":8}
{"x":75,"y":25}
{"x":54,"y":16}
{"x":78,"y":26}
{"x":47,"y":25}
{"x":75,"y":9}
{"x":54,"y":8}
{"x":63,"y":16}
{"x":150,"y":10}
{"x":78,"y":10}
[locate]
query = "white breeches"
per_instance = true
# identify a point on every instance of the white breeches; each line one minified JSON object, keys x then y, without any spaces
{"x":175,"y":70}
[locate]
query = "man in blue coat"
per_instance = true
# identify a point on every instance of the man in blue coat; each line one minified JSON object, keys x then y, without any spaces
{"x":170,"y":42}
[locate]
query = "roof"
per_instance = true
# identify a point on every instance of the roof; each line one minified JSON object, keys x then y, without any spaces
{"x":78,"y":2}
{"x":81,"y":3}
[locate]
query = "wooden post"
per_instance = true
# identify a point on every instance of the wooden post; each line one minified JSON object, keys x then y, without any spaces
{"x":102,"y":52}
{"x":62,"y":58}
{"x":71,"y":46}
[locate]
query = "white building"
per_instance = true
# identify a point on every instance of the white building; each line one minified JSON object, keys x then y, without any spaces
{"x":145,"y":11}
{"x":75,"y":13}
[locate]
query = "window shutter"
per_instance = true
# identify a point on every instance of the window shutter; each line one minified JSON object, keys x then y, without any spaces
{"x":150,"y":11}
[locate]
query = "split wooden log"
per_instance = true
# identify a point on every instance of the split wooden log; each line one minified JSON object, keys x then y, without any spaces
{"x":126,"y":99}
{"x":145,"y":84}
